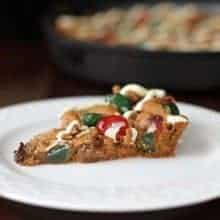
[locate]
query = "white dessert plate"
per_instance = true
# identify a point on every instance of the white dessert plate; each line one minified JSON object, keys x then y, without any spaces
{"x":127,"y":185}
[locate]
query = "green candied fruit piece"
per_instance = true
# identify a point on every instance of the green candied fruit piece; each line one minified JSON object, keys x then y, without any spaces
{"x":59,"y":153}
{"x":172,"y":109}
{"x":147,"y":142}
{"x":91,"y":119}
{"x":121,"y":102}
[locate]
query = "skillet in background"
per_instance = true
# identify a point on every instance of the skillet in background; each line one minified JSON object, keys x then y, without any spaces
{"x":104,"y":64}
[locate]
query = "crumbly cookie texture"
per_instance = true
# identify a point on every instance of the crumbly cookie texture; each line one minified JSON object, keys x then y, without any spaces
{"x":110,"y":131}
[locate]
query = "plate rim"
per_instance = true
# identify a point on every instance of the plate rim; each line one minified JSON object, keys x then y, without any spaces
{"x":98,"y":210}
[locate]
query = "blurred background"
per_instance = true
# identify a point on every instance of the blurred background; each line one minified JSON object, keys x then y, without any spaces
{"x":35,"y":64}
{"x":21,"y":20}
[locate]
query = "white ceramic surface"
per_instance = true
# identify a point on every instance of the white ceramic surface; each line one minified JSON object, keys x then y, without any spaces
{"x":115,"y":186}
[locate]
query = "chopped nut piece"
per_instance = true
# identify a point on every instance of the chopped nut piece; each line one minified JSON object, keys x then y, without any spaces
{"x":116,"y":89}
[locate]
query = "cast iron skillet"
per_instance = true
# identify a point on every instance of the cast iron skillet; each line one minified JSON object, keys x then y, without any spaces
{"x":104,"y":64}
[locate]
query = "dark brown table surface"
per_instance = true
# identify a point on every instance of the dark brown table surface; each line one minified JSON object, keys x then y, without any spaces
{"x":26,"y":73}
